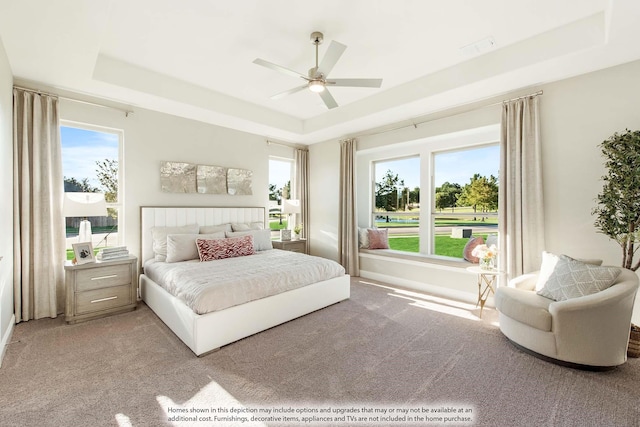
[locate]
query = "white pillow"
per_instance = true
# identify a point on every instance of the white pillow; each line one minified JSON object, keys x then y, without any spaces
{"x":160,"y":238}
{"x":182,"y":247}
{"x":549,"y":262}
{"x":247,"y":226}
{"x":206,"y":229}
{"x":363,"y":238}
{"x":261,"y":238}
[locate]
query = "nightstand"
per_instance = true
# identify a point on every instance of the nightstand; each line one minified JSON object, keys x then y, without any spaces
{"x":98,"y":289}
{"x":298,"y":245}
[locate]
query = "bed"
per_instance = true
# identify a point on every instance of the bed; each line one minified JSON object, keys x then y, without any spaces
{"x":203,"y":333}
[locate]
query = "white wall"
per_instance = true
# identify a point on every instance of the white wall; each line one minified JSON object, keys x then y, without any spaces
{"x":576,"y":115}
{"x":151,"y":137}
{"x":6,"y":193}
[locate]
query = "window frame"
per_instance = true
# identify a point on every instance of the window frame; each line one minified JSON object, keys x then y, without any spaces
{"x":373,"y":188}
{"x":292,"y":164}
{"x":426,"y":149}
{"x":119,"y":205}
{"x":432,"y":207}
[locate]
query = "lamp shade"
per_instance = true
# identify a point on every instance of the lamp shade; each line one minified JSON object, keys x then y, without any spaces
{"x":84,"y":205}
{"x":291,"y":206}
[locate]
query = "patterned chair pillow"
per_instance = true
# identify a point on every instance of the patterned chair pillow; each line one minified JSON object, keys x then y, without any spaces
{"x":470,"y":246}
{"x":573,"y":279}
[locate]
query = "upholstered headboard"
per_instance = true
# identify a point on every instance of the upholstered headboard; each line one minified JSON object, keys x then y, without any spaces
{"x":173,"y":216}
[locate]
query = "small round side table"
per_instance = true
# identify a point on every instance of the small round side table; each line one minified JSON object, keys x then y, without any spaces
{"x":486,"y":284}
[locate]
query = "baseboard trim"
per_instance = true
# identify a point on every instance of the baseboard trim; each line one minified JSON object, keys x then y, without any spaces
{"x":6,"y":339}
{"x":440,"y":291}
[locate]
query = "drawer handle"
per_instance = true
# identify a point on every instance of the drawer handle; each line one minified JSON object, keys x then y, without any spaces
{"x":104,"y":299}
{"x":104,"y":277}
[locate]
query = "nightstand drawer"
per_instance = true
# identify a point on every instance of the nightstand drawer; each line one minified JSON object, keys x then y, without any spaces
{"x":105,"y":276}
{"x":102,"y":299}
{"x":298,"y":245}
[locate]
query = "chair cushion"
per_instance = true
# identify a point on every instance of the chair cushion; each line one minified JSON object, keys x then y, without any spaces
{"x":573,"y":279}
{"x":524,"y":306}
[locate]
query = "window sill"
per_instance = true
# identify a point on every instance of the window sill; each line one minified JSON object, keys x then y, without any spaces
{"x":413,"y":258}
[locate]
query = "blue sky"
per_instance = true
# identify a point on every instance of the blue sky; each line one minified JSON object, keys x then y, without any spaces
{"x":279,"y":172}
{"x":82,"y":148}
{"x":452,"y":166}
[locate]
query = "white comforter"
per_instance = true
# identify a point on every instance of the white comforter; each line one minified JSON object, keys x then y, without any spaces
{"x":216,"y":285}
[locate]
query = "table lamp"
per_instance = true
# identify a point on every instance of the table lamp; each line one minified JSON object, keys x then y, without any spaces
{"x":289,"y":207}
{"x":84,"y":205}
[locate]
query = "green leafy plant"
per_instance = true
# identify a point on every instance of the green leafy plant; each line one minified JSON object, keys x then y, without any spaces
{"x":618,"y":210}
{"x":298,"y":228}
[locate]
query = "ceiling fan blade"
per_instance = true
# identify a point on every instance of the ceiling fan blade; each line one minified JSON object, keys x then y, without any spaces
{"x":356,"y":82}
{"x":288,"y":92}
{"x":279,"y":68}
{"x":328,"y":99}
{"x":331,"y":57}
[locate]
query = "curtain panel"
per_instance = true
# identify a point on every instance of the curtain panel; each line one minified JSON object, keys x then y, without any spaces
{"x":39,"y":230}
{"x":348,"y":222}
{"x":521,"y":210}
{"x":302,"y":190}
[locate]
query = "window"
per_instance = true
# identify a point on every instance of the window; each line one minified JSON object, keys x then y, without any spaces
{"x":465,"y":198}
{"x":280,"y":173}
{"x":458,"y":176}
{"x":396,"y":201}
{"x":91,"y":162}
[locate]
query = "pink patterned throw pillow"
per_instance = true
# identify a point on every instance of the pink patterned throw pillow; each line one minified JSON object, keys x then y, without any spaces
{"x":378,"y":238}
{"x":230,"y":247}
{"x":470,"y":246}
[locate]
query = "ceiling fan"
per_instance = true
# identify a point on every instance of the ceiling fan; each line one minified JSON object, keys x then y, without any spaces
{"x":318,"y":77}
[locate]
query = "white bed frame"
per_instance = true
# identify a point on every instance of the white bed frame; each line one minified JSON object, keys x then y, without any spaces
{"x":203,"y":333}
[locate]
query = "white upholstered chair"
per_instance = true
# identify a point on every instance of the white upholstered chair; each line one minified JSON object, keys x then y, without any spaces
{"x":587,"y":332}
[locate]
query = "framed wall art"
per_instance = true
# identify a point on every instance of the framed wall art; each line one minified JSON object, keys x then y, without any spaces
{"x":211,"y":179}
{"x":178,"y":177}
{"x":239,"y":182}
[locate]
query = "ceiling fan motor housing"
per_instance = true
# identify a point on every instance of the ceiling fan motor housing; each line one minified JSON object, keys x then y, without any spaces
{"x":314,"y":74}
{"x":316,"y":37}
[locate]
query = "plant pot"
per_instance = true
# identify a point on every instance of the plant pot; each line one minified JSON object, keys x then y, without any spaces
{"x":634,"y":342}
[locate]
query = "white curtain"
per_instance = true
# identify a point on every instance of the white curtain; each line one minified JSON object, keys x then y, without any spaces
{"x":348,"y":222}
{"x":520,"y":200}
{"x":302,"y":190}
{"x":39,"y":230}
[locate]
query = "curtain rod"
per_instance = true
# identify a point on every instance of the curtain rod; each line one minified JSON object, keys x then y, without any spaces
{"x":297,"y":147}
{"x":41,"y":92}
{"x":415,"y":124}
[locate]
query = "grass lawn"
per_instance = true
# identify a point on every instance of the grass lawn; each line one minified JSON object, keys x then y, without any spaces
{"x":445,"y":245}
{"x":275,"y":225}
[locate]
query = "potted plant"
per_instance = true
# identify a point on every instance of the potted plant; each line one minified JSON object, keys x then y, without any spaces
{"x":618,"y":210}
{"x":297,"y":230}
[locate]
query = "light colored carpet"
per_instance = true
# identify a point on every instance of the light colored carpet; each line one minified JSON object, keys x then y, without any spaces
{"x":382,"y":348}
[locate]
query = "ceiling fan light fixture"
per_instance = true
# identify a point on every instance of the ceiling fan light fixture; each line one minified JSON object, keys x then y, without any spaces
{"x":316,"y":86}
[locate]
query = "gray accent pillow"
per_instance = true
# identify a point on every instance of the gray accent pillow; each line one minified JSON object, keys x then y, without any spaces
{"x":573,"y":279}
{"x":206,"y":229}
{"x":261,"y":238}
